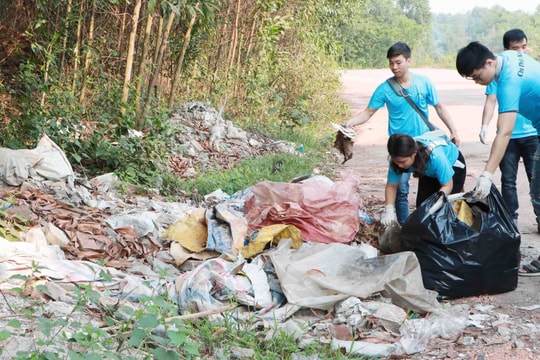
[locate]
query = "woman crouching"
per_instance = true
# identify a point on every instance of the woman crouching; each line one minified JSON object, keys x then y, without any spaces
{"x":431,"y":157}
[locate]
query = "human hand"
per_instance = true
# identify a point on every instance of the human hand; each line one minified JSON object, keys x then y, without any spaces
{"x":483,"y":133}
{"x":455,"y":138}
{"x":389,"y":215}
{"x":483,"y":185}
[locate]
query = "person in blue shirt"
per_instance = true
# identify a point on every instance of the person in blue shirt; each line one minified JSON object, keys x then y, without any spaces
{"x":434,"y":159}
{"x":523,"y":141}
{"x":402,"y":118}
{"x":518,"y":91}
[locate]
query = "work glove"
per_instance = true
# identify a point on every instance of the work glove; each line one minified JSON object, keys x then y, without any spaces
{"x":483,"y":133}
{"x":389,"y":215}
{"x":483,"y":185}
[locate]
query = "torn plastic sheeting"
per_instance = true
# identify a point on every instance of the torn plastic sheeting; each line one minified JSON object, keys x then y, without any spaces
{"x":254,"y":270}
{"x":46,"y":160}
{"x":320,"y":275}
{"x":270,"y":236}
{"x":416,"y":333}
{"x":16,"y":258}
{"x":142,"y":223}
{"x":227,"y":225}
{"x":324,"y":211}
{"x":363,"y":348}
{"x":216,"y":281}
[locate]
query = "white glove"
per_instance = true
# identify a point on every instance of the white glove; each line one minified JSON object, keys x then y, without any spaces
{"x":483,"y":133}
{"x":483,"y":185}
{"x":389,"y":215}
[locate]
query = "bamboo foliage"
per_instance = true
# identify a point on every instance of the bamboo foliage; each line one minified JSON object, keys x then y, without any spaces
{"x":151,"y":45}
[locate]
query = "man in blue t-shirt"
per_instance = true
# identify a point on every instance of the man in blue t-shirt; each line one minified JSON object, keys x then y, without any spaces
{"x":518,"y":91}
{"x":402,"y":117}
{"x":524,"y":139}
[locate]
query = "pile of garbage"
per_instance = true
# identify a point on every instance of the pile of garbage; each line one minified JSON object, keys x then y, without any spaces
{"x":204,"y":139}
{"x":270,"y":250}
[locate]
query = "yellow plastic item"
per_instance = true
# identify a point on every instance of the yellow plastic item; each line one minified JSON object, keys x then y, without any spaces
{"x":464,"y":212}
{"x":272,"y":234}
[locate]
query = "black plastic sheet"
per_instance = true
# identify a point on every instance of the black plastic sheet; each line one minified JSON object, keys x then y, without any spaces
{"x":458,"y":260}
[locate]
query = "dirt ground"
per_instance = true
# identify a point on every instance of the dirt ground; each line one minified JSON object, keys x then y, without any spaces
{"x":518,"y":337}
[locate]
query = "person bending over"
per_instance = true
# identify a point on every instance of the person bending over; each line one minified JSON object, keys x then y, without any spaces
{"x":434,"y":159}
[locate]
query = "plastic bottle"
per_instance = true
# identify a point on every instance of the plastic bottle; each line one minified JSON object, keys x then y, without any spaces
{"x":364,"y":216}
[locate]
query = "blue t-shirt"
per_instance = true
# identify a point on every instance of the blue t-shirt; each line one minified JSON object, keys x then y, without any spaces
{"x":518,"y":85}
{"x":402,"y":118}
{"x":523,"y":127}
{"x":442,"y":158}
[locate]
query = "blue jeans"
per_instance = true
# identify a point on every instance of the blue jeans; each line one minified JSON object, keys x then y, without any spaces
{"x":402,"y":198}
{"x":535,"y":184}
{"x":517,"y":148}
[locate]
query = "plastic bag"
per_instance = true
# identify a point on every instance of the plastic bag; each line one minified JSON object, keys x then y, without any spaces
{"x":325,"y":211}
{"x":390,"y":241}
{"x":458,"y":260}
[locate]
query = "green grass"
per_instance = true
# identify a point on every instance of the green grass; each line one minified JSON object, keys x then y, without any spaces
{"x":317,"y":156}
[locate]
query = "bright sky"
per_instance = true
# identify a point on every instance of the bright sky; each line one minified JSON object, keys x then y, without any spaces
{"x":461,"y":6}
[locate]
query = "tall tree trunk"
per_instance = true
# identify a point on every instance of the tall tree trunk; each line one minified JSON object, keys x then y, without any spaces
{"x":159,"y":61}
{"x":238,"y":66}
{"x":142,"y":66}
{"x":234,"y":39}
{"x":252,"y":33}
{"x":76,"y":50}
{"x":48,"y":55}
{"x":130,"y":55}
{"x":180,"y":60}
{"x":88,"y":55}
{"x":222,"y":40}
{"x":159,"y":38}
{"x":66,"y":34}
{"x":121,"y":32}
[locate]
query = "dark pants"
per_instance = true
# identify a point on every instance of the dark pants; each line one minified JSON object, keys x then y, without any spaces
{"x":428,"y":186}
{"x":517,"y":148}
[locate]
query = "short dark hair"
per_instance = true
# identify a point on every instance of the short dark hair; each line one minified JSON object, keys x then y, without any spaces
{"x":397,"y":49}
{"x":472,"y":57}
{"x":513,"y":35}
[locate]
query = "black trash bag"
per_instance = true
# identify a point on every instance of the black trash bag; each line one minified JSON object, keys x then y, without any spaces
{"x":458,"y":260}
